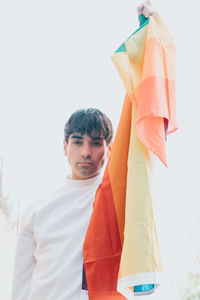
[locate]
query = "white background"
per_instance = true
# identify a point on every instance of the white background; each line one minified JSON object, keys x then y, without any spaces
{"x":54,"y":59}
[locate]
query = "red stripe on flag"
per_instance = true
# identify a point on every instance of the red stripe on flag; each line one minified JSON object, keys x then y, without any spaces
{"x":102,"y":248}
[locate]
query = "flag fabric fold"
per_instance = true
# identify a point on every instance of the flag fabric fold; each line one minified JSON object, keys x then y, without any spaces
{"x":146,"y":65}
{"x":121,"y":248}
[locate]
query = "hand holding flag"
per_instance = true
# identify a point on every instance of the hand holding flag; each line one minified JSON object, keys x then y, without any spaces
{"x":145,"y":9}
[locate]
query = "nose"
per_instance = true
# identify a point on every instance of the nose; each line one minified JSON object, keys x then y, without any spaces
{"x":86,"y":150}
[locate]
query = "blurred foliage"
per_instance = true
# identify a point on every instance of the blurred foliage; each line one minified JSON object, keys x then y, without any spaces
{"x":10,"y":210}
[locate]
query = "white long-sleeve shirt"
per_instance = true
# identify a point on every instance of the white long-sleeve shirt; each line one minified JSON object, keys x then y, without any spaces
{"x":49,"y":252}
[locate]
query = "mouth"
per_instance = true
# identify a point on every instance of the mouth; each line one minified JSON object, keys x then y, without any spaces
{"x":85,"y":163}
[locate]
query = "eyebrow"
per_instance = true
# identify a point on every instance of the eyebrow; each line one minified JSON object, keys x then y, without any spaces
{"x":96,"y":138}
{"x":79,"y":137}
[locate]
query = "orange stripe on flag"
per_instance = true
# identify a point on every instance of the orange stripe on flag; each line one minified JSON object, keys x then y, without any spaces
{"x":155,"y":101}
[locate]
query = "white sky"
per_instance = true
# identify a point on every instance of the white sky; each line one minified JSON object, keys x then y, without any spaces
{"x":54,"y":59}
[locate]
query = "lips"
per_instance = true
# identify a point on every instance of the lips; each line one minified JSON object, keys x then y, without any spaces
{"x":86,"y":163}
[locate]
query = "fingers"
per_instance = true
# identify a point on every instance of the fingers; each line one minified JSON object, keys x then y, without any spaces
{"x":145,"y":9}
{"x":140,"y":9}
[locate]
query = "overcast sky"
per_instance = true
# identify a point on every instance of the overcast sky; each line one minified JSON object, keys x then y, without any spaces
{"x":54,"y":59}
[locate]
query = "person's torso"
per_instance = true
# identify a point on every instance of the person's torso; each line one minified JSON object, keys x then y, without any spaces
{"x":60,"y":226}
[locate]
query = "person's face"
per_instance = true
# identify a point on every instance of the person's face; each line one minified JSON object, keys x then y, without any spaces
{"x":86,"y":155}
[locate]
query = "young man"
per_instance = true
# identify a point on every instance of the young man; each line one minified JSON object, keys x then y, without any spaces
{"x":49,"y":254}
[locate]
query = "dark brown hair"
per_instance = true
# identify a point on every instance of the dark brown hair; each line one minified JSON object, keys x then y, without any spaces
{"x":89,"y":121}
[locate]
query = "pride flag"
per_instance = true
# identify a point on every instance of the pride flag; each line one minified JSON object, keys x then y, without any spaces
{"x":121,"y":248}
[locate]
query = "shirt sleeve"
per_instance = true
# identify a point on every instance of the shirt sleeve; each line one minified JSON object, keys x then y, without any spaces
{"x":24,"y":260}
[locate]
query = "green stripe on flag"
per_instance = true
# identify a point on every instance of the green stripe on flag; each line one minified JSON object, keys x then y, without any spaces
{"x":122,"y":48}
{"x":143,"y":22}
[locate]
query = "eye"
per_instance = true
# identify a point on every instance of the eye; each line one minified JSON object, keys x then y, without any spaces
{"x":96,"y":144}
{"x":77,"y":142}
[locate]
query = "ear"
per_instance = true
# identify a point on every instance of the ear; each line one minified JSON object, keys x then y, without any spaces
{"x":65,"y":147}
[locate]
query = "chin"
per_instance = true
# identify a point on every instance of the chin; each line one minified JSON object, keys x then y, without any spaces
{"x":85,"y":174}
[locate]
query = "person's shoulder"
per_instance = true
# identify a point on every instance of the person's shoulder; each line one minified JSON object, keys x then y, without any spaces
{"x":46,"y":198}
{"x":30,"y":209}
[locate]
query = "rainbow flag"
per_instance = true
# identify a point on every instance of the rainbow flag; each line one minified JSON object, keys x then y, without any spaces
{"x":121,"y":248}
